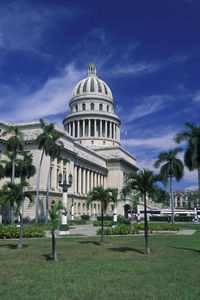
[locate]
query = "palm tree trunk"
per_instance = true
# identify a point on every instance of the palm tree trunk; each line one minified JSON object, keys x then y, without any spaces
{"x":172,"y":198}
{"x":38,"y":187}
{"x":12,"y":181}
{"x":199,"y":183}
{"x":54,"y":246}
{"x":21,"y":214}
{"x":47,"y":191}
{"x":102,"y":226}
{"x":146,"y":230}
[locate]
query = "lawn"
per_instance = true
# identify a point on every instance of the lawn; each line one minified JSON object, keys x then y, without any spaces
{"x":118,"y":270}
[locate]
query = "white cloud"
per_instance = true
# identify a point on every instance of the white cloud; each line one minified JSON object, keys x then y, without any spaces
{"x":196,"y":97}
{"x":149,"y":105}
{"x":135,"y":69}
{"x":191,"y":188}
{"x":51,"y":99}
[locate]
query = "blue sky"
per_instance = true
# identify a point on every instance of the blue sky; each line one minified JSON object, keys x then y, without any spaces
{"x":148,"y":52}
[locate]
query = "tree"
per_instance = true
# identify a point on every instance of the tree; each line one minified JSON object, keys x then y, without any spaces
{"x":2,"y":171}
{"x":191,"y":134}
{"x":103,"y":195}
{"x":26,"y":170}
{"x":171,"y":166}
{"x":14,"y":194}
{"x":42,"y":142}
{"x":54,"y":147}
{"x":14,"y":144}
{"x":53,"y":213}
{"x":144,"y":182}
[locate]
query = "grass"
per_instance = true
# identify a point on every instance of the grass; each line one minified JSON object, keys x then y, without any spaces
{"x":118,"y":270}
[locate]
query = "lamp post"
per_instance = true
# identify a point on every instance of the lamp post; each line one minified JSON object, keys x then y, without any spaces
{"x":72,"y":210}
{"x":64,"y":229}
{"x":115,"y":208}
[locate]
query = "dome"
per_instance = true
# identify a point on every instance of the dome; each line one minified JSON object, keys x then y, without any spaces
{"x":92,"y":85}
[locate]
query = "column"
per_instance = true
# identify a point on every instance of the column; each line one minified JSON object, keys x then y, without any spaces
{"x":88,"y":181}
{"x":79,"y":180}
{"x":95,"y":128}
{"x":101,"y":133}
{"x":54,"y":179}
{"x":91,"y":179}
{"x":71,"y":170}
{"x":101,"y":180}
{"x":70,"y":128}
{"x":75,"y":179}
{"x":114,"y":131}
{"x":89,"y":127}
{"x":98,"y":180}
{"x":106,"y":129}
{"x":78,"y":129}
{"x":83,"y":128}
{"x":95,"y":179}
{"x":73,"y":129}
{"x":84,"y":181}
{"x":110,"y":135}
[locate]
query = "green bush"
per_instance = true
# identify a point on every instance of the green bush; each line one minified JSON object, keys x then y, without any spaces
{"x":85,"y":217}
{"x":80,"y":222}
{"x":106,"y":218}
{"x":106,"y":223}
{"x":153,"y":227}
{"x":118,"y":229}
{"x":166,"y":218}
{"x":9,"y":232}
{"x":122,"y":220}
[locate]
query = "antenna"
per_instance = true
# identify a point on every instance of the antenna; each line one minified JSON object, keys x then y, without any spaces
{"x":126,"y":133}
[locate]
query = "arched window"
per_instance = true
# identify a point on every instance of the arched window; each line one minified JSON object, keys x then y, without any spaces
{"x":76,"y":107}
{"x":83,"y":106}
{"x":92,"y":106}
{"x":107,"y":107}
{"x":100,"y":106}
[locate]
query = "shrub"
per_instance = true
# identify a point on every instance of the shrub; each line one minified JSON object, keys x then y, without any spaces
{"x":9,"y":232}
{"x":119,"y":229}
{"x":166,"y":218}
{"x":106,"y":223}
{"x":106,"y":218}
{"x":85,"y":217}
{"x":122,"y":220}
{"x":152,"y":227}
{"x":80,"y":222}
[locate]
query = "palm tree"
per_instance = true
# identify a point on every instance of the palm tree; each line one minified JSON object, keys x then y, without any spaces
{"x":14,"y":144}
{"x":145,"y":183}
{"x":171,"y":167}
{"x":2,"y":171}
{"x":191,"y":134}
{"x":26,"y":170}
{"x":100,"y":194}
{"x":42,"y":141}
{"x":55,"y":223}
{"x":54,"y":148}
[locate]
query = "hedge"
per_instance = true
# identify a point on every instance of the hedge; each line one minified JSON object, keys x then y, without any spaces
{"x":106,"y":223}
{"x":166,"y":218}
{"x":9,"y":232}
{"x":85,"y":217}
{"x":106,"y":218}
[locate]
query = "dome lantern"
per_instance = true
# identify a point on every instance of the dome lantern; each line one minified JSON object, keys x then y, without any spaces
{"x":91,"y":69}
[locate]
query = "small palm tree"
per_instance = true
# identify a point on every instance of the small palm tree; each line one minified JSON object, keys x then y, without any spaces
{"x":53,"y":213}
{"x":171,"y":167}
{"x":42,"y":141}
{"x":14,"y":194}
{"x":100,"y":194}
{"x":191,"y":134}
{"x":54,"y":148}
{"x":145,"y":183}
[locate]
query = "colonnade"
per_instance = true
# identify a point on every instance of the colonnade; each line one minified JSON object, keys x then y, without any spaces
{"x":85,"y":180}
{"x":93,"y":128}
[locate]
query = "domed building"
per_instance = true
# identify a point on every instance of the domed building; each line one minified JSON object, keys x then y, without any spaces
{"x":92,"y":151}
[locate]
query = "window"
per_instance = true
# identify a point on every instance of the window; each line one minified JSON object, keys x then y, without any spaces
{"x":100,"y":106}
{"x":76,"y":107}
{"x":107,"y":107}
{"x":83,"y":106}
{"x":92,"y":106}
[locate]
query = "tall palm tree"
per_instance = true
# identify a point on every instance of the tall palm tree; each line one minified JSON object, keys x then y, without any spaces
{"x":42,"y":141}
{"x":54,"y":148}
{"x":26,"y":170}
{"x":171,"y":166}
{"x":145,"y":183}
{"x":14,"y":144}
{"x":191,"y":134}
{"x":98,"y":193}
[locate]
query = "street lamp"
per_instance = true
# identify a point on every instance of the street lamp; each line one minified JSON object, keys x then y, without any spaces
{"x":64,"y":229}
{"x":115,"y":208}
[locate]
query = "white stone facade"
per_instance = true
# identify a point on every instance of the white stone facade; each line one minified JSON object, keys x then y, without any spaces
{"x":92,"y":151}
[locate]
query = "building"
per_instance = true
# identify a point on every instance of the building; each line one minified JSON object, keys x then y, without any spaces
{"x":92,"y":151}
